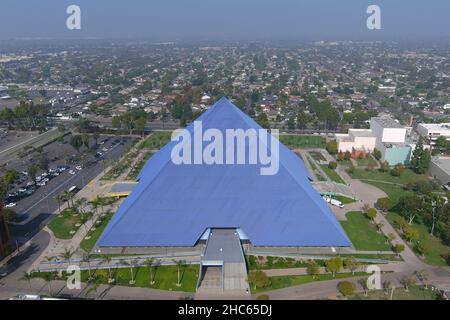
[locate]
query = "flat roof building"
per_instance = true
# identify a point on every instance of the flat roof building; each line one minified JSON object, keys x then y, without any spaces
{"x":432,"y":131}
{"x":440,"y":169}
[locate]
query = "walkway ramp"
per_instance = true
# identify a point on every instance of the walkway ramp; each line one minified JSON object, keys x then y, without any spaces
{"x":223,"y":269}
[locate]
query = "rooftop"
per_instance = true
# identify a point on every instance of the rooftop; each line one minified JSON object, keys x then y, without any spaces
{"x":443,"y":163}
{"x":387,"y":122}
{"x":436,"y":126}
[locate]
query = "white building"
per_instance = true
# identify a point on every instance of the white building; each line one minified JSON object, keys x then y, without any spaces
{"x":388,"y":130}
{"x":356,"y":139}
{"x":432,"y":131}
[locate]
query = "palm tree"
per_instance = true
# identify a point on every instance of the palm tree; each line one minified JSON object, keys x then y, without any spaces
{"x":132,"y":263}
{"x":50,"y":259}
{"x":59,"y":198}
{"x":150,"y":264}
{"x":107,"y":260}
{"x":28,"y":276}
{"x":48,"y":278}
{"x":67,"y":254}
{"x":180,"y":264}
{"x":87,"y":258}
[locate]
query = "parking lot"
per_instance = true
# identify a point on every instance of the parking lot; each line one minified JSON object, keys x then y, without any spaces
{"x":34,"y":203}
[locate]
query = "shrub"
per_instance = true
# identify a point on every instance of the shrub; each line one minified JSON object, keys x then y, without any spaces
{"x":332,"y":165}
{"x":347,"y":288}
{"x":398,"y":248}
{"x":351,"y":170}
{"x":421,"y":248}
{"x":384,"y":204}
{"x":347,"y":155}
{"x":332,"y":147}
{"x":398,"y":170}
{"x":371,"y":213}
{"x":376,"y":154}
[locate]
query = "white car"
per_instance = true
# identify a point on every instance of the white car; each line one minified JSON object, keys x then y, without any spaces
{"x":72,"y":172}
{"x":79,"y":168}
{"x":42,"y":184}
{"x":10,"y":205}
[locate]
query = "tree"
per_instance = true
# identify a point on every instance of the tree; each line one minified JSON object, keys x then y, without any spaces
{"x":347,"y":155}
{"x":377,"y":154}
{"x":107,"y":260}
{"x":44,"y":163}
{"x":371,"y":213}
{"x":384,"y":166}
{"x":140,"y":125}
{"x":150,"y":263}
{"x":85,"y":140}
{"x":32,"y":171}
{"x":407,"y":281}
{"x":258,"y":278}
{"x":351,"y":264}
{"x":347,"y":288}
{"x":421,"y":159}
{"x":384,"y":204}
{"x":67,"y":254}
{"x":332,"y":147}
{"x":132,"y":263}
{"x":438,"y":207}
{"x":334,"y":265}
{"x":332,"y":165}
{"x":411,"y":206}
{"x":411,"y":234}
{"x":28,"y":276}
{"x":48,"y":278}
{"x":76,"y":142}
{"x":312,"y":269}
{"x":398,"y":248}
{"x":398,"y":170}
{"x":87,"y":258}
{"x":181,"y":265}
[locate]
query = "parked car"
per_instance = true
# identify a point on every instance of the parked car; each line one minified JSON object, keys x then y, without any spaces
{"x":79,"y":168}
{"x":11,"y":205}
{"x":72,"y":172}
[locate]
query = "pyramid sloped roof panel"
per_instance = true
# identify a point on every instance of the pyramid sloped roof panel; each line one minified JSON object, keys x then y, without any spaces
{"x":173,"y":205}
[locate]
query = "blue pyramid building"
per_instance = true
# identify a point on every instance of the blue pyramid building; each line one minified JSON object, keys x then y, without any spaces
{"x":174,"y":204}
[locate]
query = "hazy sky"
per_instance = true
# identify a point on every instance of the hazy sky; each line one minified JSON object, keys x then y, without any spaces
{"x":221,"y":19}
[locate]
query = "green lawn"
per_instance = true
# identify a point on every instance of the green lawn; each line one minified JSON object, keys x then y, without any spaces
{"x":295,"y":142}
{"x":414,"y":293}
{"x":394,"y":192}
{"x":332,"y":174}
{"x":317,"y":156}
{"x":88,"y":244}
{"x":405,"y":178}
{"x":63,"y":223}
{"x":279,"y":282}
{"x":344,"y":200}
{"x":132,"y":175}
{"x":269,"y":262}
{"x":363,"y":233}
{"x":435,"y":245}
{"x":165,"y":277}
{"x":157,"y":140}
